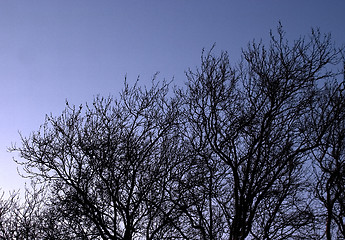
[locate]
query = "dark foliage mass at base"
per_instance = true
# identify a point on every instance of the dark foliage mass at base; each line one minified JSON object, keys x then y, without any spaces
{"x":254,"y":150}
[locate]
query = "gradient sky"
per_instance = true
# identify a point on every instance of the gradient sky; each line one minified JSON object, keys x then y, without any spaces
{"x":53,"y":50}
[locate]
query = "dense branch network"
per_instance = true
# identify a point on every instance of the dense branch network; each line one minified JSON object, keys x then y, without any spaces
{"x":250,"y":151}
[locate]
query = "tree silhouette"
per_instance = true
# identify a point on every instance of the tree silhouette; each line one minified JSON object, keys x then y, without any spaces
{"x":21,"y":218}
{"x":253,"y":150}
{"x":253,"y":121}
{"x":330,"y":161}
{"x":108,"y":163}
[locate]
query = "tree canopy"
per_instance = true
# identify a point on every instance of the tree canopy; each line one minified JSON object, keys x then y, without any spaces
{"x":253,"y":150}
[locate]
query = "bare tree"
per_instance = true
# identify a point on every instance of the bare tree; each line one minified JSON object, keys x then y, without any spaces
{"x":253,"y":118}
{"x":9,"y":214}
{"x":107,"y":164}
{"x":20,"y":218}
{"x":229,"y":157}
{"x":330,"y":162}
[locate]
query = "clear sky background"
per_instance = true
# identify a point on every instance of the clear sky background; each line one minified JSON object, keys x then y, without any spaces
{"x":53,"y":50}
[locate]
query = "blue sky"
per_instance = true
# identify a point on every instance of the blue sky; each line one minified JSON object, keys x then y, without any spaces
{"x":53,"y":50}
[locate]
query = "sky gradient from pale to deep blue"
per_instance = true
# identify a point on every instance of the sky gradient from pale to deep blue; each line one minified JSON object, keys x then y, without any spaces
{"x":53,"y":50}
